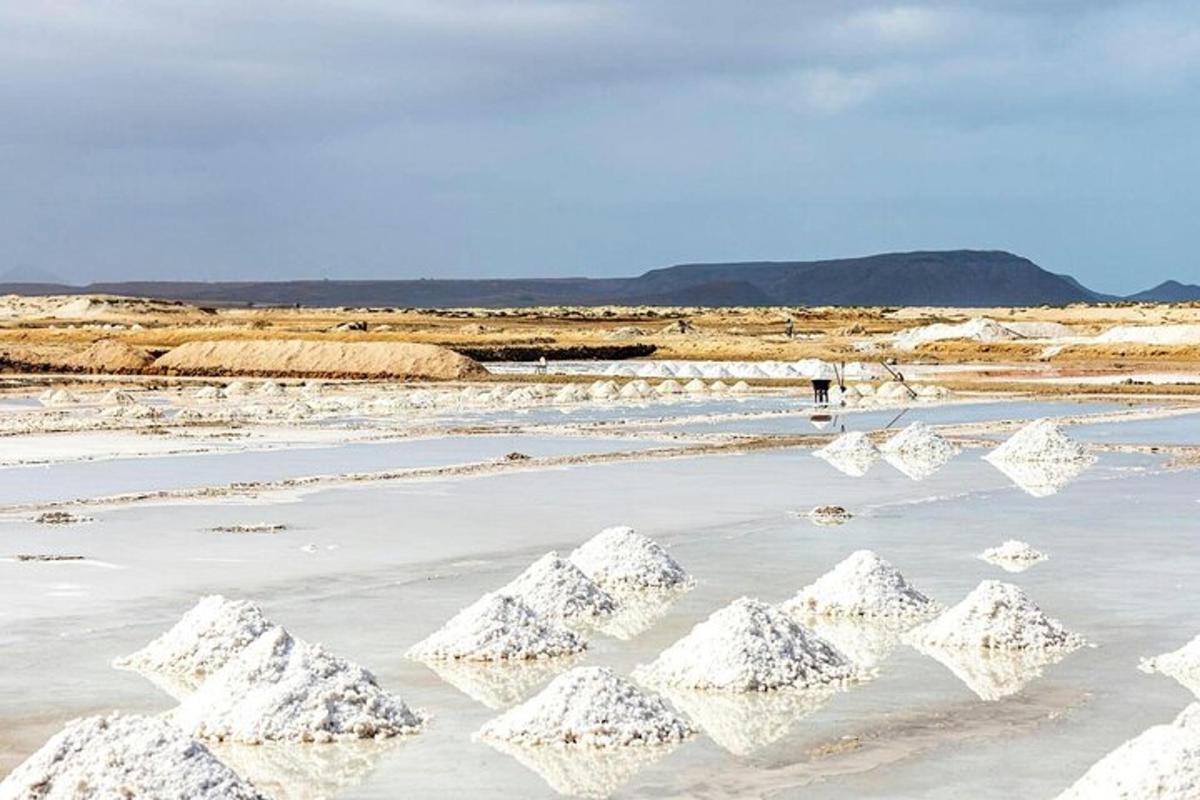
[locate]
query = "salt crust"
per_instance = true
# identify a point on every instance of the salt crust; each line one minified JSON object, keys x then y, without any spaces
{"x":1013,"y":555}
{"x":284,"y":689}
{"x":619,"y":558}
{"x":124,"y":756}
{"x":862,"y":585}
{"x":589,"y":706}
{"x":204,"y":640}
{"x":497,"y":627}
{"x":557,"y":589}
{"x":996,"y":616}
{"x":1162,"y":763}
{"x":749,"y":646}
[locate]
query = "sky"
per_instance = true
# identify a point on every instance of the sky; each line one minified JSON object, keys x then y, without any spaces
{"x":234,"y":140}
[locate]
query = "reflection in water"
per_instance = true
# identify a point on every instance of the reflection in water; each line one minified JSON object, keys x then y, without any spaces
{"x":865,"y":642}
{"x":853,"y":466}
{"x":1040,"y":478}
{"x":498,"y":684}
{"x":917,"y":467}
{"x":743,"y":722}
{"x":638,"y":611}
{"x":993,"y":674}
{"x":286,"y":771}
{"x":583,"y":771}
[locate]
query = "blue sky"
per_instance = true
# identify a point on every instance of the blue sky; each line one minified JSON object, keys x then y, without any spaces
{"x":454,"y":138}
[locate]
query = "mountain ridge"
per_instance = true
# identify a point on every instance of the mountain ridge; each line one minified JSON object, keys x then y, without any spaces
{"x":954,"y":278}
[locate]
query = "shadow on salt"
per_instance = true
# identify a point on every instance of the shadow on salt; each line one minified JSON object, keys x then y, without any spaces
{"x":286,"y":771}
{"x":580,"y":771}
{"x":993,"y":675}
{"x":499,"y":685}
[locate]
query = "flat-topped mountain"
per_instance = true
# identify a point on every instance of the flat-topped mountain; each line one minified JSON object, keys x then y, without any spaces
{"x":963,"y":278}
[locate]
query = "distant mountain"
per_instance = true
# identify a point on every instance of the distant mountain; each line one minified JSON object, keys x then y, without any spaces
{"x":970,"y":278}
{"x":1169,"y":292}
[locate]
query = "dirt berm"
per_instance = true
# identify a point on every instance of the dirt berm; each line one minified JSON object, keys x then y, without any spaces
{"x":305,"y":358}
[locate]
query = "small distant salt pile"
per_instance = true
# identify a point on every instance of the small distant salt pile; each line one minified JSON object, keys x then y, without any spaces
{"x":58,"y":397}
{"x":120,"y":756}
{"x":996,"y":616}
{"x":203,"y":641}
{"x":668,"y":387}
{"x":1041,"y":440}
{"x":118,"y":397}
{"x":695,"y":386}
{"x":235,"y":389}
{"x":862,"y":585}
{"x":630,"y":391}
{"x":1161,"y":763}
{"x":556,"y":588}
{"x":828,"y":516}
{"x":589,"y":706}
{"x":603,"y":390}
{"x":619,"y":558}
{"x":497,"y":627}
{"x":748,"y":646}
{"x":718,"y":387}
{"x":269,"y":389}
{"x":1183,"y":665}
{"x":284,"y":689}
{"x":741,"y":387}
{"x":569,"y":394}
{"x":1013,"y":556}
{"x":852,"y":453}
{"x":918,"y":451}
{"x":208,"y":393}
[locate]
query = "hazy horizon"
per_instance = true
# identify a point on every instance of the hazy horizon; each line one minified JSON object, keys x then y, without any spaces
{"x":469,"y":139}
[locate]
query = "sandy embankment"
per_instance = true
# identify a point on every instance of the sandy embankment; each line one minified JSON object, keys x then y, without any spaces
{"x":302,"y":358}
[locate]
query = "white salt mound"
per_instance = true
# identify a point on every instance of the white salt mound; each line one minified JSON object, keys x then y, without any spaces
{"x":749,"y":646}
{"x":284,"y":689}
{"x":996,"y":616}
{"x":124,"y":757}
{"x":1041,"y":441}
{"x":1013,"y":553}
{"x":555,"y":588}
{"x":1183,"y":664}
{"x":620,"y":558}
{"x":852,"y":445}
{"x":862,"y":585}
{"x":920,"y":442}
{"x":204,"y":640}
{"x":1162,"y":763}
{"x":497,"y":627}
{"x":589,"y":706}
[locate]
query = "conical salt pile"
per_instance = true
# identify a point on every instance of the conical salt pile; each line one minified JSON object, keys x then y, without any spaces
{"x":120,"y":756}
{"x":557,"y":589}
{"x":589,"y":706}
{"x":918,"y":451}
{"x":862,"y":585}
{"x":1183,"y":665}
{"x":497,"y":627}
{"x":852,"y":453}
{"x":619,"y":558}
{"x":1161,"y":763}
{"x":284,"y":689}
{"x":996,"y":616}
{"x":749,"y":646}
{"x":1041,"y":441}
{"x":204,"y":639}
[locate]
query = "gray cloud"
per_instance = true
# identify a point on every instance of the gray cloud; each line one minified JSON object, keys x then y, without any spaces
{"x":467,"y":137}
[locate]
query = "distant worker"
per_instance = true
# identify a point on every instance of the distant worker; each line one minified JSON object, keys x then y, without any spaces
{"x":541,"y":365}
{"x":791,"y":328}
